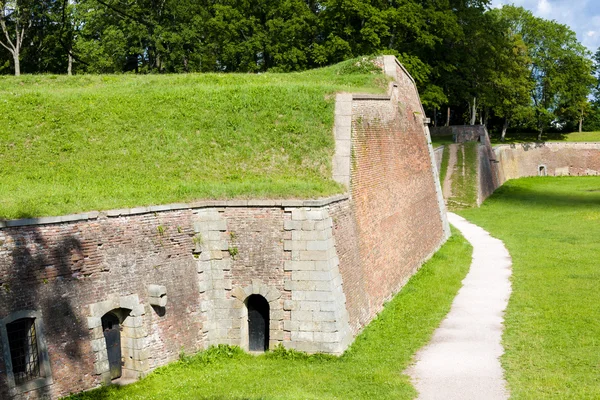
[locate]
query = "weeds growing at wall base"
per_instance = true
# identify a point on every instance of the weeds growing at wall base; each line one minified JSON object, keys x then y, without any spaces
{"x":370,"y":369}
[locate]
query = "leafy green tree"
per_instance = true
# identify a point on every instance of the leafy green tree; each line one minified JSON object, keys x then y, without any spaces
{"x":16,"y":17}
{"x":559,"y":67}
{"x":508,"y":94}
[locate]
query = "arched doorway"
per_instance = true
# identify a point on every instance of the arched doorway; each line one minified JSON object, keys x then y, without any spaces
{"x":258,"y":323}
{"x":111,"y":327}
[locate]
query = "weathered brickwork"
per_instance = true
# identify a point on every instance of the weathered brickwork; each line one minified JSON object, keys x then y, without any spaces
{"x":62,"y":269}
{"x":558,"y":159}
{"x":535,"y":159}
{"x":206,"y":262}
{"x":397,"y":217}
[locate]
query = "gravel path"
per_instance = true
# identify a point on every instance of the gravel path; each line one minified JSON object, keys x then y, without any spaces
{"x":461,"y":361}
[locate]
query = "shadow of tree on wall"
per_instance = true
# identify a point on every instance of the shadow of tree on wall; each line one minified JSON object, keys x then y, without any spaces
{"x":42,"y":278}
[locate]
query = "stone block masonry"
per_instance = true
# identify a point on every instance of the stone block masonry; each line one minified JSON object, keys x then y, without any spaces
{"x":205,"y":260}
{"x":318,"y":316}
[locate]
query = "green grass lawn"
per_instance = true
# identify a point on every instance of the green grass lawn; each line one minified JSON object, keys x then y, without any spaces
{"x":547,"y":137}
{"x":370,"y":369}
{"x":464,"y":177}
{"x":551,"y":227}
{"x":71,"y":144}
{"x":440,"y":140}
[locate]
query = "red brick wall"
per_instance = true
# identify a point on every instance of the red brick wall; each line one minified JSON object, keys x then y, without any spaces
{"x":396,"y":222}
{"x":521,"y":160}
{"x":258,"y":235}
{"x":60,"y":269}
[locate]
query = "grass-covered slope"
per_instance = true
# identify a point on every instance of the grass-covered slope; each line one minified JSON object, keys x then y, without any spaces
{"x":70,"y":144}
{"x":551,"y":227}
{"x":371,"y":369}
{"x":524,"y":137}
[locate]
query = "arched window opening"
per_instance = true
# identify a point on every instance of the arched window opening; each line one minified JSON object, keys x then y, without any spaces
{"x":542,"y":170}
{"x":258,"y":323}
{"x":111,"y":327}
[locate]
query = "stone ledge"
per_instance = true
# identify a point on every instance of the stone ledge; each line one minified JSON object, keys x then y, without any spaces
{"x":376,"y":97}
{"x":124,"y":212}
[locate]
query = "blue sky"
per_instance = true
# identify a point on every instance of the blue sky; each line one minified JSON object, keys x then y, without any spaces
{"x":582,"y":16}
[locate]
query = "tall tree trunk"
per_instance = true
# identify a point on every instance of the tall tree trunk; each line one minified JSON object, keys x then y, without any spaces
{"x":504,"y":129}
{"x":13,"y":46}
{"x":434,"y":116}
{"x":581,"y":121}
{"x":474,"y":111}
{"x":448,"y":117}
{"x":17,"y":64}
{"x":70,"y":65}
{"x":487,"y":116}
{"x":540,"y":134}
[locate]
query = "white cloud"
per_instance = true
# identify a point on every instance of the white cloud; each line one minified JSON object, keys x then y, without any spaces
{"x":544,"y":8}
{"x":582,"y":16}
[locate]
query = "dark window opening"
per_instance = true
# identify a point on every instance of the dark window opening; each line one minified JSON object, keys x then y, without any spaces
{"x":23,"y":346}
{"x":111,"y":326}
{"x":258,"y":323}
{"x":542,"y":170}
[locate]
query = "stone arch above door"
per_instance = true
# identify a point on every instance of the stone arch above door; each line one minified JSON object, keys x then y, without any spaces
{"x":130,"y":312}
{"x":276,"y":312}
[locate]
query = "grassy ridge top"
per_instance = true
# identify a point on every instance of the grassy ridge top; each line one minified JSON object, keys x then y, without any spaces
{"x":70,"y":144}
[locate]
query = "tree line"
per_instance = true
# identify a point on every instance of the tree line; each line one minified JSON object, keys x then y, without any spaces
{"x":472,"y":64}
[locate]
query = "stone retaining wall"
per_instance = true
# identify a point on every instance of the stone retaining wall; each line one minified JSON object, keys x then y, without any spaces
{"x":209,"y":260}
{"x":511,"y":161}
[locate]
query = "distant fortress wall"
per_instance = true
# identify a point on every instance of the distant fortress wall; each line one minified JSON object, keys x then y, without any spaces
{"x":513,"y":161}
{"x":500,"y":163}
{"x":150,"y":283}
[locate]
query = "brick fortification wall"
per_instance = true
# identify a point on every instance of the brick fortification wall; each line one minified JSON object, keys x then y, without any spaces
{"x":179,"y":277}
{"x":535,"y":159}
{"x":398,"y":214}
{"x":208,"y":258}
{"x":61,"y":269}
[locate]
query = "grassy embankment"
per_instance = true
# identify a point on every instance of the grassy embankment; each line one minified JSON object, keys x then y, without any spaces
{"x":444,"y":164}
{"x":71,"y":144}
{"x":463,"y":176}
{"x":370,"y":369}
{"x":528,"y":137}
{"x":441,"y":140}
{"x":551,"y":228}
{"x":547,"y":137}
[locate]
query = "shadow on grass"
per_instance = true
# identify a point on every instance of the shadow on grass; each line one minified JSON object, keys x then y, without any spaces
{"x":584,"y":198}
{"x":108,"y":391}
{"x":528,"y":137}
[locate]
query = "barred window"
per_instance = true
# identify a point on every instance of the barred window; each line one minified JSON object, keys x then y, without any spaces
{"x":23,"y":347}
{"x":24,"y":351}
